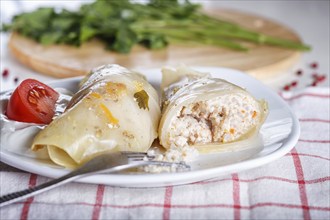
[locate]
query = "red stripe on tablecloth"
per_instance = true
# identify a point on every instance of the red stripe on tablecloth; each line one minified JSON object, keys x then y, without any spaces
{"x":314,"y":120}
{"x":301,"y":184}
{"x":236,"y":196}
{"x":320,"y":180}
{"x":308,"y":155}
{"x":161,"y":205}
{"x":306,"y":94}
{"x":27,"y":203}
{"x":98,"y":202}
{"x":314,"y":141}
{"x":257,"y":205}
{"x":167,"y":202}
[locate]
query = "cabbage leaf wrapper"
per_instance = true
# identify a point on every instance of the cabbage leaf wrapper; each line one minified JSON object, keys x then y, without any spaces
{"x":208,"y":114}
{"x":115,"y":109}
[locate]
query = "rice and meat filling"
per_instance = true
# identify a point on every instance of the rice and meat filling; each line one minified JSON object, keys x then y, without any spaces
{"x":222,"y":119}
{"x":205,"y":114}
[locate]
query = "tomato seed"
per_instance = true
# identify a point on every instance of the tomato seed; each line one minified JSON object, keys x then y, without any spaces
{"x":32,"y":100}
{"x":39,"y":91}
{"x":36,"y":93}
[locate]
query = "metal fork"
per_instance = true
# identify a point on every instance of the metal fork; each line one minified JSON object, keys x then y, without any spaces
{"x":105,"y":163}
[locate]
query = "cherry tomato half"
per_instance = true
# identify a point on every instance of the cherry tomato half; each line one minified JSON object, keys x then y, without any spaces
{"x":32,"y":101}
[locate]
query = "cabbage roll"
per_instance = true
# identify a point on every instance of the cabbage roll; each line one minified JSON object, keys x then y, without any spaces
{"x":115,"y":109}
{"x":209,"y":114}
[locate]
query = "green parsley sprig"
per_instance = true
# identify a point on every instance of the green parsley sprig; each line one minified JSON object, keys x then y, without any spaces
{"x":123,"y":24}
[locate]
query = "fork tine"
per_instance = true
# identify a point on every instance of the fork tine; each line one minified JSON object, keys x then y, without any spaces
{"x":134,"y":154}
{"x":137,"y":155}
{"x":142,"y":156}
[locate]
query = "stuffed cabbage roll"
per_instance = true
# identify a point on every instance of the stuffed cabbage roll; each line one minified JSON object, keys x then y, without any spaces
{"x":209,"y":114}
{"x":114,"y":110}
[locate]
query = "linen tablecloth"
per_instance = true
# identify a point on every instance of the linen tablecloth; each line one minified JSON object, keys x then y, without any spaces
{"x":296,"y":186}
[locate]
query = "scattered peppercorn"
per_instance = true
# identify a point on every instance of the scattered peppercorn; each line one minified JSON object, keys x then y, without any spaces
{"x":320,"y":78}
{"x":314,"y":83}
{"x":16,"y":79}
{"x":286,"y":87}
{"x":294,"y":83}
{"x":314,"y":65}
{"x":5,"y":73}
{"x":316,"y":78}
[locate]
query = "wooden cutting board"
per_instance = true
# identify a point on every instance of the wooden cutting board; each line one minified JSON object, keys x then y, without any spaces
{"x":263,"y":62}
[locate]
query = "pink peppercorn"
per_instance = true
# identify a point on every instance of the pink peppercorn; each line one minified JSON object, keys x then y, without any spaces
{"x":294,"y":83}
{"x":5,"y":73}
{"x":320,"y":78}
{"x":286,"y":87}
{"x":314,"y":65}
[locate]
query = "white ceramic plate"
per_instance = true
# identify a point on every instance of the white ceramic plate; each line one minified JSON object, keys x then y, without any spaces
{"x":280,"y":133}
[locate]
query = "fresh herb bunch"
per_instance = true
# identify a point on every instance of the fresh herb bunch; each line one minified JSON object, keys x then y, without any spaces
{"x":121,"y":24}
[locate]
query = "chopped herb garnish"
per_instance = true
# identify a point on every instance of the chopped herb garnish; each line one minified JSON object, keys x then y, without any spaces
{"x":142,"y":98}
{"x":123,"y":24}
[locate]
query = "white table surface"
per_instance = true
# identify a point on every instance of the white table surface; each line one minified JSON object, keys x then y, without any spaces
{"x":309,"y":19}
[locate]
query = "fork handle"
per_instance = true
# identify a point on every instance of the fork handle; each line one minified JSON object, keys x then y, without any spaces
{"x":20,"y":195}
{"x":76,"y":174}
